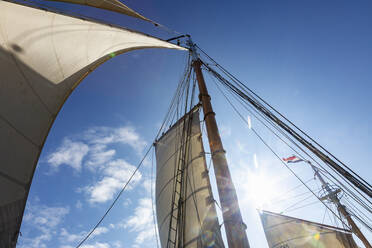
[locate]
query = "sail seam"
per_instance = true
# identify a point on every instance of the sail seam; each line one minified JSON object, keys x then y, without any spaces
{"x":13,"y":56}
{"x":14,"y":180}
{"x":188,"y":198}
{"x":174,"y":154}
{"x":19,"y":132}
{"x":28,"y":83}
{"x":54,"y":47}
{"x":170,"y":180}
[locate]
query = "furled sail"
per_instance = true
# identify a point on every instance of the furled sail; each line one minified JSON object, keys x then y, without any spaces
{"x":182,"y":171}
{"x":285,"y":232}
{"x":112,"y":5}
{"x":43,"y":57}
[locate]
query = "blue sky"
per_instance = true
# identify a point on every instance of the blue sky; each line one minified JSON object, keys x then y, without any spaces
{"x":310,"y":59}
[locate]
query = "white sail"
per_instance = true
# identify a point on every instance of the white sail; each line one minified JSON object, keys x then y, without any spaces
{"x":200,"y":223}
{"x":112,"y":5}
{"x":43,"y":57}
{"x":286,"y":232}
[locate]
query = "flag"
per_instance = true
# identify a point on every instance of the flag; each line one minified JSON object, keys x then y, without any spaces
{"x":292,"y":159}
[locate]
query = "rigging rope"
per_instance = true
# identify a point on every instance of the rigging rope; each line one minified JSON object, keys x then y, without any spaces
{"x":292,"y":189}
{"x":275,"y":154}
{"x":322,"y":170}
{"x":348,"y":178}
{"x":152,"y":199}
{"x":165,"y":120}
{"x":232,"y":77}
{"x":264,"y":113}
{"x":116,"y":199}
{"x":236,"y":91}
{"x":303,"y":206}
{"x":184,"y":103}
{"x":295,"y":204}
{"x":367,"y":190}
{"x":289,"y":198}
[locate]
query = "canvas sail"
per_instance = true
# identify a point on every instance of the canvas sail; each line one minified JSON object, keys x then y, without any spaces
{"x":112,"y":5}
{"x":286,"y":232}
{"x":200,"y":225}
{"x":43,"y":57}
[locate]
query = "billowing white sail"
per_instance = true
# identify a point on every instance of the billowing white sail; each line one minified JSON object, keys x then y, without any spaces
{"x":43,"y":57}
{"x":198,"y":221}
{"x":286,"y":232}
{"x":112,"y":5}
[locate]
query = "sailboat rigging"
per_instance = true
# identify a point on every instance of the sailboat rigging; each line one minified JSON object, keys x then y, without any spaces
{"x":39,"y":75}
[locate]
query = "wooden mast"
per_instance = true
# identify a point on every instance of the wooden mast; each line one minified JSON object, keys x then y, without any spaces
{"x":232,"y":218}
{"x":332,"y":196}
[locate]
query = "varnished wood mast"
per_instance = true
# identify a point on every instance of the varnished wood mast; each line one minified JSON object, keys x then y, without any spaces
{"x":232,"y":218}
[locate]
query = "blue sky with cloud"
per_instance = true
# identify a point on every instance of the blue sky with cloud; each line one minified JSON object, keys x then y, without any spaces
{"x":310,"y":59}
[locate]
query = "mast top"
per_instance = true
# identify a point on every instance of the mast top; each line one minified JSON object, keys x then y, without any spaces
{"x":192,"y":48}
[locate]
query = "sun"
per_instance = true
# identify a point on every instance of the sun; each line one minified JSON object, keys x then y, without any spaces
{"x":260,"y":189}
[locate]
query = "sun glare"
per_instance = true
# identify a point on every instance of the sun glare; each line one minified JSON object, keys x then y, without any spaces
{"x":260,"y":189}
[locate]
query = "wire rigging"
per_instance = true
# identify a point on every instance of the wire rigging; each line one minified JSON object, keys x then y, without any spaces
{"x":290,"y":131}
{"x":152,"y":199}
{"x":116,"y":199}
{"x":255,"y":114}
{"x":182,"y":103}
{"x":247,"y":99}
{"x":277,"y":156}
{"x":182,"y":184}
{"x":174,"y":102}
{"x":232,"y":77}
{"x":337,"y":168}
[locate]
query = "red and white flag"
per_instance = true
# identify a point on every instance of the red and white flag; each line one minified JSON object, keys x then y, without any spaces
{"x":292,"y":159}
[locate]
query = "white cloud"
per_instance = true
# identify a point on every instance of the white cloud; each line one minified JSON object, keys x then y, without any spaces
{"x":99,"y":230}
{"x":142,"y":222}
{"x":98,"y":156}
{"x":124,"y":135}
{"x":96,"y":245}
{"x":117,"y":244}
{"x":147,"y":185}
{"x":37,"y":242}
{"x":91,"y":148}
{"x":43,"y":221}
{"x":127,"y":202}
{"x":127,"y":135}
{"x":67,"y":237}
{"x":116,"y":174}
{"x":69,"y":153}
{"x":43,"y":216}
{"x":79,"y":205}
